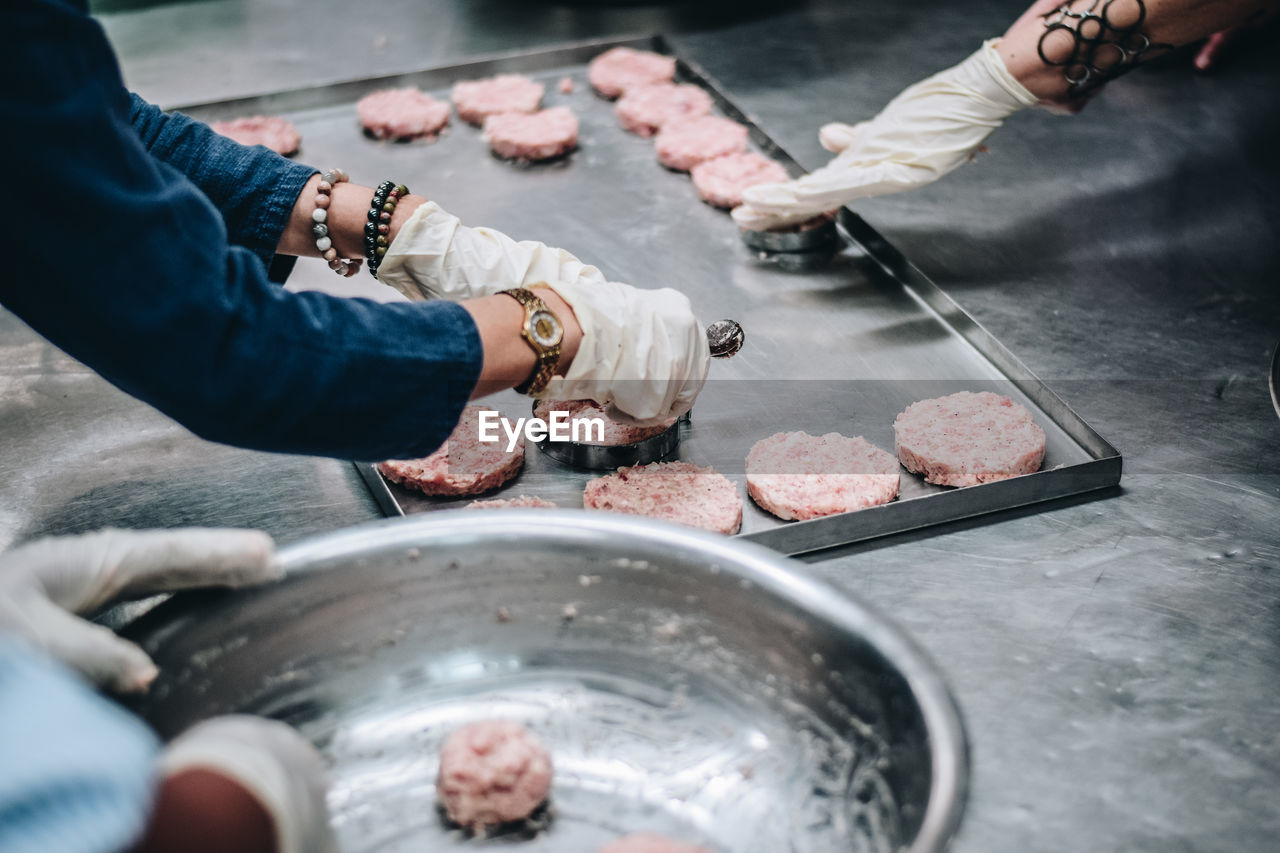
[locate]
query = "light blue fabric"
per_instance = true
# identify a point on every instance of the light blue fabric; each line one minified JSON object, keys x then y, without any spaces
{"x":75,"y":769}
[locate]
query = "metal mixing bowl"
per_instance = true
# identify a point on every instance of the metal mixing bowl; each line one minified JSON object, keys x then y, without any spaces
{"x":685,"y":683}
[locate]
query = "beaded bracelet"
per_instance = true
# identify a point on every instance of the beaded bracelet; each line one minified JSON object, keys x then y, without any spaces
{"x":378,"y":228}
{"x":320,"y":216}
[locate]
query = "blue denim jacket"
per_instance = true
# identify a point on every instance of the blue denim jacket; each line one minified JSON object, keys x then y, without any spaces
{"x":139,"y":243}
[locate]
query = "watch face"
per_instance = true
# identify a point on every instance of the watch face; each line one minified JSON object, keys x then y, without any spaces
{"x":545,"y":329}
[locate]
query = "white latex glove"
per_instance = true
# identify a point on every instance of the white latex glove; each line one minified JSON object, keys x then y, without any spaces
{"x":43,"y":583}
{"x":643,"y":353}
{"x":436,"y":256}
{"x":272,"y":762}
{"x":925,"y":132}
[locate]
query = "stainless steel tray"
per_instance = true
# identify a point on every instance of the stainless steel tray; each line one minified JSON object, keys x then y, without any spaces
{"x":840,"y":343}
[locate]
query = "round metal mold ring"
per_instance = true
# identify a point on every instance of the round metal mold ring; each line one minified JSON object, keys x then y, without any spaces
{"x":609,"y":457}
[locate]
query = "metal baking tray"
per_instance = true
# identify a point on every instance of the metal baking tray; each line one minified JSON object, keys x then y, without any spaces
{"x":839,"y":340}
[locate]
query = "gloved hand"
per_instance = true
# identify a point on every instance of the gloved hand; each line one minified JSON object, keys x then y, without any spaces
{"x":43,"y":583}
{"x":273,"y":763}
{"x":925,"y":132}
{"x":435,"y":256}
{"x":643,"y":353}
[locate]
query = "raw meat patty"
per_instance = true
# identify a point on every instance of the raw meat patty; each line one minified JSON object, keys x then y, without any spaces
{"x":523,"y":501}
{"x":532,"y":136}
{"x":645,"y":109}
{"x":968,"y":438}
{"x":614,"y":432}
{"x":476,"y":100}
{"x":721,"y":181}
{"x":685,"y":143}
{"x":492,"y":772}
{"x":272,"y":131}
{"x":402,"y":114}
{"x":649,"y":842}
{"x":621,"y":68}
{"x":797,"y":475}
{"x":672,"y":491}
{"x":463,"y":465}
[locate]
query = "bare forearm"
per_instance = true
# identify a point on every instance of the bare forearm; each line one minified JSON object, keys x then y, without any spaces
{"x":348,"y":212}
{"x":1163,"y":22}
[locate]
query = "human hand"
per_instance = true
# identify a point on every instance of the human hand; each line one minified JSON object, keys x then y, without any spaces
{"x":435,"y":256}
{"x":44,"y":583}
{"x":925,"y":132}
{"x":272,"y":763}
{"x":643,"y":353}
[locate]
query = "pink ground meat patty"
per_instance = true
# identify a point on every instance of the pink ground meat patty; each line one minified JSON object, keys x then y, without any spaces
{"x":492,"y":772}
{"x":649,"y":842}
{"x":272,"y":131}
{"x":620,"y":69}
{"x":402,"y":114}
{"x":645,"y":109}
{"x":476,"y":100}
{"x":462,"y":466}
{"x":614,"y":431}
{"x":685,"y":143}
{"x":795,"y":475}
{"x":720,"y":182}
{"x":671,"y":491}
{"x":532,"y":136}
{"x":968,"y":438}
{"x":521,"y":502}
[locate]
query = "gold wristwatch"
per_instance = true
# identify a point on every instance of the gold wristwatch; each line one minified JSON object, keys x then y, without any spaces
{"x":543,"y":331}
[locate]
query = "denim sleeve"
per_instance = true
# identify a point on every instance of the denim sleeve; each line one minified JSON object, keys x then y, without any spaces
{"x":253,"y":187}
{"x":77,"y":769}
{"x":130,"y":269}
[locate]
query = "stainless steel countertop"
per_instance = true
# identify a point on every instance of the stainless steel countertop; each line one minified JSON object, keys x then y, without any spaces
{"x":1117,"y":659}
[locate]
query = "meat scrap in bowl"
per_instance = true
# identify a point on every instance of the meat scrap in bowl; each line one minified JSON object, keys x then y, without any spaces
{"x":492,"y":772}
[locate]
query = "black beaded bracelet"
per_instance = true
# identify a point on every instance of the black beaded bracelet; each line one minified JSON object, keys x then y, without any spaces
{"x":377,"y":230}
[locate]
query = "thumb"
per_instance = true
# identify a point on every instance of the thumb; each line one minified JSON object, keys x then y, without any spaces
{"x":837,"y":136}
{"x":92,"y":650}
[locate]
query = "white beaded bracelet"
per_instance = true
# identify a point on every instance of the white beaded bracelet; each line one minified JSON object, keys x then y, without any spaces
{"x":345,"y":267}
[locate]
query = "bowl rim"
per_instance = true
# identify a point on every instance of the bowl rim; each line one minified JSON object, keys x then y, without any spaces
{"x":781,"y":576}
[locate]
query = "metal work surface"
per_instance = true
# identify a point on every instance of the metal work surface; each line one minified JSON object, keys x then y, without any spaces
{"x":683,"y":684}
{"x":870,"y":315}
{"x":1117,"y":661}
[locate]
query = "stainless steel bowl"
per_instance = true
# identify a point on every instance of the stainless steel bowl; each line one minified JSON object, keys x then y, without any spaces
{"x":685,"y":683}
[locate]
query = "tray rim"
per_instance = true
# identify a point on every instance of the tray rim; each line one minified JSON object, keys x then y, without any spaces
{"x":1099,"y":473}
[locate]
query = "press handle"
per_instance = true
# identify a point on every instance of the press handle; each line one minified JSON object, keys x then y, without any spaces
{"x":725,"y":337}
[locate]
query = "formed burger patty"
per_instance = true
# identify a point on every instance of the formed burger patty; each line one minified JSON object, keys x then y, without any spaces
{"x":476,"y":100}
{"x":521,"y":502}
{"x":402,"y":114}
{"x":644,"y":110}
{"x":967,"y":438}
{"x":272,"y":131}
{"x":532,"y":136}
{"x":615,"y":432}
{"x":650,"y":842}
{"x":720,"y":182}
{"x":492,"y":772}
{"x":462,"y":466}
{"x":622,"y":68}
{"x":797,"y":475}
{"x":684,"y":143}
{"x":672,"y":491}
